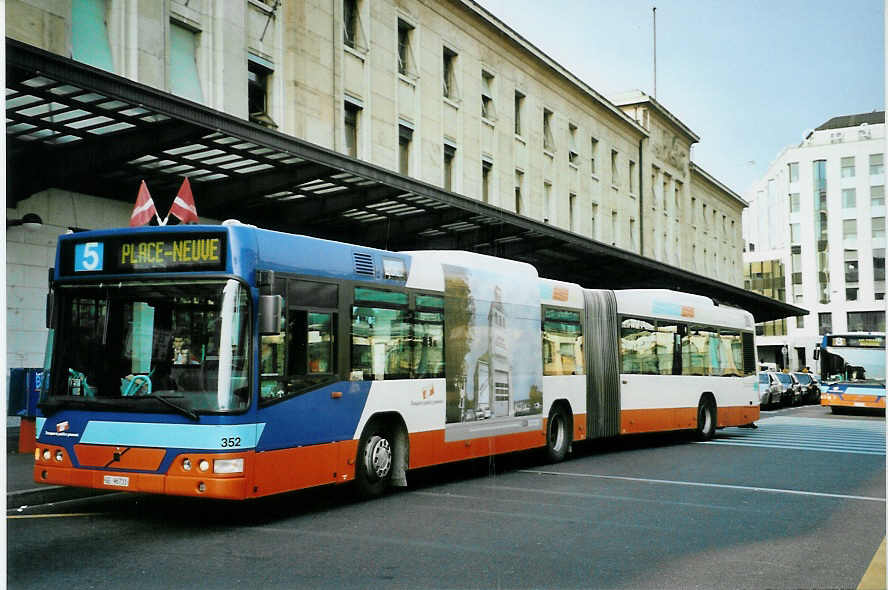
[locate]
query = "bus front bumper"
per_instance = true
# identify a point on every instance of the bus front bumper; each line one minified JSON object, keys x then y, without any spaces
{"x":850,"y":400}
{"x":195,"y":482}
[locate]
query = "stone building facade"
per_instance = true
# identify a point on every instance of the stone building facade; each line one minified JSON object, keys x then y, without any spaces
{"x":441,"y":91}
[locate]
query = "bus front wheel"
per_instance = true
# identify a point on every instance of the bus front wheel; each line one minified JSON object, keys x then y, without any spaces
{"x":706,"y":419}
{"x":374,"y":464}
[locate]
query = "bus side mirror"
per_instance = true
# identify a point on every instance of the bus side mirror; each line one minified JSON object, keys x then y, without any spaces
{"x":816,"y":352}
{"x":270,"y":315}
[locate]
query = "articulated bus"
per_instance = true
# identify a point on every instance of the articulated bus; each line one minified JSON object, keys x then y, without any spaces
{"x":234,"y":362}
{"x":852,"y":370}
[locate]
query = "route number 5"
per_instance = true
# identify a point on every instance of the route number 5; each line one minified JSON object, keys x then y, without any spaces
{"x":89,"y":256}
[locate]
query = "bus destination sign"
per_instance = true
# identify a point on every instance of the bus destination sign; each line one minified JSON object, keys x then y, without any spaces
{"x":158,"y":253}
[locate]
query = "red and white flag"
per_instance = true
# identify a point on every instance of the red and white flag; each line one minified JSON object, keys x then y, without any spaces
{"x":144,"y":209}
{"x":183,"y":206}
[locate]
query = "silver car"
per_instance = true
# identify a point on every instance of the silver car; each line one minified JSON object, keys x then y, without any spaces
{"x":770,"y":391}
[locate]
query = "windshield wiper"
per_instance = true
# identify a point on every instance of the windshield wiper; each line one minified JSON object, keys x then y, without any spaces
{"x":187,"y":412}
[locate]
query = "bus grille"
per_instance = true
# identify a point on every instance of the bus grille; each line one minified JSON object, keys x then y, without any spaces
{"x":364,"y":264}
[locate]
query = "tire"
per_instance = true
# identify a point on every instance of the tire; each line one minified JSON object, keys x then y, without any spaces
{"x":706,"y":419}
{"x":373,"y":467}
{"x":558,"y":436}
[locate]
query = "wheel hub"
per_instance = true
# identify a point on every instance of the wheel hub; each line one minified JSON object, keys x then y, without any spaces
{"x":379,"y":457}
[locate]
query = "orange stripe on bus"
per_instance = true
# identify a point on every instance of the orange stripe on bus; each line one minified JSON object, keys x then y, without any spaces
{"x":302,"y":467}
{"x":660,"y":419}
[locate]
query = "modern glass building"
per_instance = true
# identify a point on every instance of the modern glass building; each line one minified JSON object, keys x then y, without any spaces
{"x":819,"y":212}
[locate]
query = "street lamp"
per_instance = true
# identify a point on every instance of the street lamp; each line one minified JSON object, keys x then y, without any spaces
{"x":31,"y":222}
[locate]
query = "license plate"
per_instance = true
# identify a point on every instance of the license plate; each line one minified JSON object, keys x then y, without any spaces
{"x":116,"y":480}
{"x":859,"y":404}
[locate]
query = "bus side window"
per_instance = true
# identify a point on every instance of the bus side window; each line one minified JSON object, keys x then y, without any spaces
{"x":638,"y":347}
{"x":562,"y":342}
{"x":380,"y":335}
{"x":311,"y":327}
{"x":427,"y":345}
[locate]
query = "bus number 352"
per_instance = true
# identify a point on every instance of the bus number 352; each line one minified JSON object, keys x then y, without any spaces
{"x":231,"y":441}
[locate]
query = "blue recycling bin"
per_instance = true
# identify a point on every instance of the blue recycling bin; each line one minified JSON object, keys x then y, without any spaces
{"x":24,"y":392}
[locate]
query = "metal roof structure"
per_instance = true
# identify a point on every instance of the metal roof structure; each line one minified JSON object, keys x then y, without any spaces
{"x":77,"y":128}
{"x":873,"y":118}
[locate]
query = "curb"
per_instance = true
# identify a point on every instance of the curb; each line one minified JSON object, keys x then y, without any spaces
{"x":49,"y":494}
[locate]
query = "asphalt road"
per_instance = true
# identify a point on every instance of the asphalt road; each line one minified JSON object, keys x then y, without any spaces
{"x":797,"y":503}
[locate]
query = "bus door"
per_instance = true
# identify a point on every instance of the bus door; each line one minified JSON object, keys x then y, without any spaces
{"x":602,"y":360}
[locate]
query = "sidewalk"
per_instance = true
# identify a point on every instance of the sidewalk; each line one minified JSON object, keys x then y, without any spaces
{"x":21,"y":490}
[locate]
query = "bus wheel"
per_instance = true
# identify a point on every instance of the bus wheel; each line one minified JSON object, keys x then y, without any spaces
{"x":374,"y":465}
{"x":705,"y":419}
{"x":557,"y":436}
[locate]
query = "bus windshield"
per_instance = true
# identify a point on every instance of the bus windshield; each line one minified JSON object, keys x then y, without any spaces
{"x":866,"y":365}
{"x":184,"y":345}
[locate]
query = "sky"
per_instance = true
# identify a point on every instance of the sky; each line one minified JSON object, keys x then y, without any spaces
{"x":750,"y":77}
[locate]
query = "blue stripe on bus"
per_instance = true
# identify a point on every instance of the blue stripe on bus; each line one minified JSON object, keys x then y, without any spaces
{"x":315,"y":417}
{"x":183,"y":436}
{"x":663,"y":308}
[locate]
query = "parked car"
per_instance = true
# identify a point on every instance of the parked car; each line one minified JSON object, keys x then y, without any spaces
{"x":770,"y":391}
{"x":810,"y":388}
{"x":791,"y":392}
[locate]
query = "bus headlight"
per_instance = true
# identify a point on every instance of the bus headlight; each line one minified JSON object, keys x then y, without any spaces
{"x":204,"y":464}
{"x":228,"y":465}
{"x":59,"y":455}
{"x":46,"y":454}
{"x":37,"y":454}
{"x":186,"y":464}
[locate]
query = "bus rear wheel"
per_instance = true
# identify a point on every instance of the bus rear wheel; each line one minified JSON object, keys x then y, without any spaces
{"x":374,"y":463}
{"x":706,"y":419}
{"x":557,"y":436}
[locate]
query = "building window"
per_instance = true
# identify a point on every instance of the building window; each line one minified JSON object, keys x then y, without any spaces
{"x":631,"y":177}
{"x":449,"y":80}
{"x":879,"y":273}
{"x":849,"y":229}
{"x":548,"y":138}
{"x":548,"y":205}
{"x":878,"y":227}
{"x":795,"y":203}
{"x":678,"y":198}
{"x":613,"y":228}
{"x":593,"y":151}
{"x":866,"y":321}
{"x":876,"y":164}
{"x":352,"y":114}
{"x":795,"y":233}
{"x":615,"y":176}
{"x":800,"y":322}
{"x":519,"y":184}
{"x":184,"y":80}
{"x":406,"y":61}
{"x":487,"y":107}
{"x":877,"y":196}
{"x":820,"y":229}
{"x":574,"y":216}
{"x":849,"y":198}
{"x":851,"y":271}
{"x":573,"y":156}
{"x":519,"y":107}
{"x":405,"y":138}
{"x":352,"y":29}
{"x":793,"y":172}
{"x":89,"y":34}
{"x":486,"y":167}
{"x":449,"y":155}
{"x":850,"y":293}
{"x":824,"y":322}
{"x":632,"y":237}
{"x":594,"y":219}
{"x":258,"y":77}
{"x":848,"y":167}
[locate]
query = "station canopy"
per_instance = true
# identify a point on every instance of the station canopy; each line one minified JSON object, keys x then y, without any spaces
{"x":77,"y":128}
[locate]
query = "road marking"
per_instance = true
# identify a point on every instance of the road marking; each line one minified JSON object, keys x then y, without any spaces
{"x":15,"y":516}
{"x":862,"y":437}
{"x":874,"y":578}
{"x":708,"y":485}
